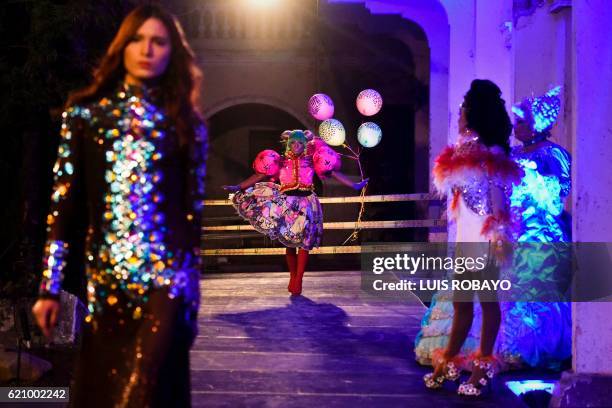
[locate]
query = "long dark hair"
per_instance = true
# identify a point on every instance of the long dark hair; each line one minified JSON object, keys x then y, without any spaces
{"x":485,"y":112}
{"x":180,"y":83}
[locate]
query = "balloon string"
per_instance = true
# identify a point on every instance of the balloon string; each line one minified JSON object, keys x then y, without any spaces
{"x":355,"y":156}
{"x":355,"y":234}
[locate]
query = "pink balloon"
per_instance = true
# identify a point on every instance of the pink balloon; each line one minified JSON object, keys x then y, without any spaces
{"x":321,"y":106}
{"x":267,"y":162}
{"x":325,"y":160}
{"x":369,"y":102}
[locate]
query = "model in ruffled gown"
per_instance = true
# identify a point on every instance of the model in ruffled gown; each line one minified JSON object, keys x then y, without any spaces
{"x":536,"y":330}
{"x":289,"y":211}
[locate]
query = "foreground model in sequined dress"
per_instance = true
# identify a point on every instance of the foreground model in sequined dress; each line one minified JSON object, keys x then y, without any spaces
{"x":132,"y":152}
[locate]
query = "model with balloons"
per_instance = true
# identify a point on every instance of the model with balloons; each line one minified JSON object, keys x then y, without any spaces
{"x":278,"y":200}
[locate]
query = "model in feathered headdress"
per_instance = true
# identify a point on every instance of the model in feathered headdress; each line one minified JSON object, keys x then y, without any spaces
{"x":539,"y":202}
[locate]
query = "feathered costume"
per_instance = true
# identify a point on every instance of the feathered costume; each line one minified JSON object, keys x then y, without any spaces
{"x":469,"y":173}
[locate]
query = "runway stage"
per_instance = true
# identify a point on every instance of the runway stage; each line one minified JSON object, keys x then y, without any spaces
{"x":331,"y":347}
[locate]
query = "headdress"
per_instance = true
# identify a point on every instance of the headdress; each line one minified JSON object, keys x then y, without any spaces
{"x":303,"y":136}
{"x":541,"y":112}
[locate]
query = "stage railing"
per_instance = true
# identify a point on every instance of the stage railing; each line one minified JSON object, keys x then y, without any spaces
{"x":342,"y":225}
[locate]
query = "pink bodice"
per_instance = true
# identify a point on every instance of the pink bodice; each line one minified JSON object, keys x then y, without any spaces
{"x":296,"y":173}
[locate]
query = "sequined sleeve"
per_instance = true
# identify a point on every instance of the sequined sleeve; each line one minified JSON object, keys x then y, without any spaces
{"x":66,"y":177}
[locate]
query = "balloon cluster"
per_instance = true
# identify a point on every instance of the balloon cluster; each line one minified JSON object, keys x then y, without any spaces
{"x":331,"y":131}
{"x":369,"y":103}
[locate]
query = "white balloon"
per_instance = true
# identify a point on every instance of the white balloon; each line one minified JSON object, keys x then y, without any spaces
{"x":369,"y":134}
{"x":332,"y":132}
{"x":369,"y":102}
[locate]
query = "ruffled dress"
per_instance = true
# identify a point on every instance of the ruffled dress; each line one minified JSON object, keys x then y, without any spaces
{"x":288,"y":211}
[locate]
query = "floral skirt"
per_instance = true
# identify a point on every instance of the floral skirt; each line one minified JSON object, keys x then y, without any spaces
{"x":296,"y":221}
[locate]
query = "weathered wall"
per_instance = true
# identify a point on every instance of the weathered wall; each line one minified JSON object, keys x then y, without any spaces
{"x":592,"y":140}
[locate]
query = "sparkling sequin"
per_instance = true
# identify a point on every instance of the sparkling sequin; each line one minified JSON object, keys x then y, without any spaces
{"x":54,"y":262}
{"x":476,"y":195}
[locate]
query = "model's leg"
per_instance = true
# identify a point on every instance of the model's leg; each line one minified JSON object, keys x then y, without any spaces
{"x":484,"y":363}
{"x":302,"y":261}
{"x":292,"y":265}
{"x":491,"y":320}
{"x":151,"y":347}
{"x":446,"y":362}
{"x":101,"y":363}
{"x":491,"y":314}
{"x":174,"y":371}
{"x":463,"y":315}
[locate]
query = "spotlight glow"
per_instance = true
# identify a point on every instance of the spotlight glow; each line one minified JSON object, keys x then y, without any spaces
{"x":263,"y":3}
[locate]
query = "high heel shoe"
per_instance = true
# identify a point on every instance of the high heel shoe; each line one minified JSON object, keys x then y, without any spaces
{"x":450,"y":371}
{"x":487,"y":368}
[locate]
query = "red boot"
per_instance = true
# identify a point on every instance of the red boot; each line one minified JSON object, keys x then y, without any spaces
{"x":292,"y":265}
{"x":302,"y":260}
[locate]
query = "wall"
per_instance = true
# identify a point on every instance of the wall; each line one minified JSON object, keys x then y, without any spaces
{"x":542,"y":60}
{"x":592,"y":139}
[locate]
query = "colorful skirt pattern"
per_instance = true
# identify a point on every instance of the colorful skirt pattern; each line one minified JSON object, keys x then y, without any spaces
{"x":296,"y":221}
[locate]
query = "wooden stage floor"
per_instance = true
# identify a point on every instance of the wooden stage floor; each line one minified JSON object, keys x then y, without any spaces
{"x":331,"y":347}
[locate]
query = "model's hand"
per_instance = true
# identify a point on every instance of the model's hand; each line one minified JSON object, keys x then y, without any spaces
{"x":46,"y":312}
{"x":361,"y":184}
{"x":231,"y":189}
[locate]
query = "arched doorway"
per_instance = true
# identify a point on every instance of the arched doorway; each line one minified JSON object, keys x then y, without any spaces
{"x":236,"y":135}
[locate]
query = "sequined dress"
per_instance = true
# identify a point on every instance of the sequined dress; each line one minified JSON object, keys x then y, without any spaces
{"x":121,"y":158}
{"x":538,"y":333}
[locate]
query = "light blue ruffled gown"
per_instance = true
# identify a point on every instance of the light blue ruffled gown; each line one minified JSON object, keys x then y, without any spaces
{"x":532,"y":334}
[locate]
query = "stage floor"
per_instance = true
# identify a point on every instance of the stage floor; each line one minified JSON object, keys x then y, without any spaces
{"x":331,"y":347}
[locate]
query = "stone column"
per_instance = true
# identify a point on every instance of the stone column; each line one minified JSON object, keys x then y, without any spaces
{"x":494,"y":44}
{"x":589,"y":383}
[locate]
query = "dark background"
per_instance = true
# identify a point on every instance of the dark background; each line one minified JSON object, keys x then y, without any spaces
{"x":51,"y":47}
